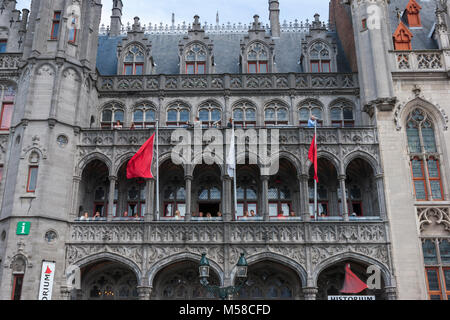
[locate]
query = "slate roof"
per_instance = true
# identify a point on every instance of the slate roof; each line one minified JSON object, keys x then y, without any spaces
{"x":421,"y":36}
{"x":226,"y":53}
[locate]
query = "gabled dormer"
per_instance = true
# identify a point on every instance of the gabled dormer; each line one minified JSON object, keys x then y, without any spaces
{"x":257,"y":50}
{"x":412,"y":12}
{"x":134,"y":53}
{"x":196,"y":51}
{"x":319,"y":49}
{"x":402,"y":37}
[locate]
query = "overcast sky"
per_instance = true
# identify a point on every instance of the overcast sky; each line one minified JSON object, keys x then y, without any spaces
{"x":234,"y":11}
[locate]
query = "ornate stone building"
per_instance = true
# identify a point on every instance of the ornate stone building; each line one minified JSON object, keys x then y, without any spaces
{"x":79,"y":99}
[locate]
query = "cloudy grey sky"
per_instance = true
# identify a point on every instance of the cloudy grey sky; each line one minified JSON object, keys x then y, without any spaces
{"x":234,"y":11}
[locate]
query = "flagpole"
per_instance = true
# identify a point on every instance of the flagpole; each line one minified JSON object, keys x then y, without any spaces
{"x":157,"y":170}
{"x":315,"y":181}
{"x":234,"y":179}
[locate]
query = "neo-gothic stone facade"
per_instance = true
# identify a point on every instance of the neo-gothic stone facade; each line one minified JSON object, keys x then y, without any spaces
{"x":383,"y":138}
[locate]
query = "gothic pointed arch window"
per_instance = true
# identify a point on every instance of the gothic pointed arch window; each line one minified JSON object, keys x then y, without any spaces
{"x":342,"y":114}
{"x":247,"y":195}
{"x":112,"y":116}
{"x":134,"y":60}
{"x":136,"y":199}
{"x":425,"y":164}
{"x":209,"y":114}
{"x":257,"y":58}
{"x":8,"y":94}
{"x":276,"y":113}
{"x":196,"y":56}
{"x":280,"y":198}
{"x":144,"y":115}
{"x":310,"y":108}
{"x":175,"y":197}
{"x":244,"y":114}
{"x":320,"y":57}
{"x":178,"y":114}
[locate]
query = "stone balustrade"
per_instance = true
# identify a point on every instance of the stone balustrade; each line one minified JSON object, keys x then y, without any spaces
{"x":418,"y":61}
{"x":9,"y":61}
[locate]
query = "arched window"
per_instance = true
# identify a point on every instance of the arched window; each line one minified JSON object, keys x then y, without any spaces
{"x":18,"y":272}
{"x":341,"y":114}
{"x":244,"y":115}
{"x":136,"y":199}
{"x":100,"y":201}
{"x":276,"y":114}
{"x":178,"y":114}
{"x":174,"y":199}
{"x":308,"y":109}
{"x":144,"y":116}
{"x":322,"y":201}
{"x":280,"y":200}
{"x":247,"y":196}
{"x":134,"y":59}
{"x":425,"y":166}
{"x":320,"y":58}
{"x":196,"y":56}
{"x":112,"y":114}
{"x":8,"y":94}
{"x":257,"y":57}
{"x":209,"y":114}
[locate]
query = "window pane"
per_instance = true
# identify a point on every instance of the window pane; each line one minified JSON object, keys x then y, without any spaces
{"x":270,"y":114}
{"x":128,"y":69}
{"x":204,"y":115}
{"x":250,"y":115}
{"x":285,"y":209}
{"x":190,"y":68}
{"x":428,"y":139}
{"x":240,"y":193}
{"x":417,"y":169}
{"x":118,"y":116}
{"x":282,"y":115}
{"x":184,"y":116}
{"x":6,"y":115}
{"x":273,"y":209}
{"x":314,"y":67}
{"x":444,"y":248}
{"x":138,"y":116}
{"x":238,"y":115}
{"x":140,"y":57}
{"x":201,"y":68}
{"x":55,"y":30}
{"x":251,"y":194}
{"x":168,"y":211}
{"x":436,"y":189}
{"x":150,"y":116}
{"x":240,"y":209}
{"x":433,"y":280}
{"x":216,"y":115}
{"x":139,"y":69}
{"x":263,"y":67}
{"x":336,"y":114}
{"x":181,"y":194}
{"x":9,"y":94}
{"x":316,"y":112}
{"x":303,"y":114}
{"x":3,"y":46}
{"x":413,"y":139}
{"x":273,"y":194}
{"x":72,"y":33}
{"x":129,"y":57}
{"x":326,"y":67}
{"x":32,"y":180}
{"x":420,"y":190}
{"x":107,"y":116}
{"x":429,"y":252}
{"x":433,"y":169}
{"x":203,"y":194}
{"x":215,"y":194}
{"x":348,"y":114}
{"x":252,"y":206}
{"x":182,"y":209}
{"x":447,"y":280}
{"x":172,"y":115}
{"x":252,"y":67}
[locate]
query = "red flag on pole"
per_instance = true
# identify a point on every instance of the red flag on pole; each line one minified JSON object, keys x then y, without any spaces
{"x":352,"y":283}
{"x":140,"y":166}
{"x":313,"y":157}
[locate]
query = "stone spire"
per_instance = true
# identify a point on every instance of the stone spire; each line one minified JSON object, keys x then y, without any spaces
{"x":274,"y":16}
{"x":116,"y":18}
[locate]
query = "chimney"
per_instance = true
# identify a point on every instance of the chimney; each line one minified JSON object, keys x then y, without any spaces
{"x":116,"y":18}
{"x":23,"y":24}
{"x":274,"y":17}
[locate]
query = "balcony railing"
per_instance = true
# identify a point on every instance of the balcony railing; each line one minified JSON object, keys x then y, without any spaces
{"x":233,"y":82}
{"x":418,"y":61}
{"x":9,"y":61}
{"x":295,"y":232}
{"x":289,"y":135}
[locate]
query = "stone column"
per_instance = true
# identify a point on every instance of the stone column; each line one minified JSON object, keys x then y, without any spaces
{"x":304,"y":197}
{"x":341,"y":179}
{"x":333,"y":202}
{"x":150,"y":200}
{"x":75,"y":201}
{"x":391,"y":293}
{"x":188,"y":181}
{"x":227,"y":199}
{"x":112,"y":189}
{"x":310,"y":293}
{"x":265,"y":197}
{"x":144,"y":292}
{"x":381,"y":198}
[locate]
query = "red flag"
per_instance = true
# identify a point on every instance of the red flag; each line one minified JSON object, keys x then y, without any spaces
{"x":313,"y":157}
{"x":352,"y":283}
{"x":140,"y":166}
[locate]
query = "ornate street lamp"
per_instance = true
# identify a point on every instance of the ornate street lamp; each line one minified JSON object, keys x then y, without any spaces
{"x":223,"y":292}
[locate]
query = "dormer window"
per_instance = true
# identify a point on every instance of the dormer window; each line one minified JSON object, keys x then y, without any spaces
{"x":402,"y":38}
{"x":133,"y":63}
{"x":320,"y":59}
{"x":196,"y":57}
{"x":413,"y":13}
{"x":257,"y":58}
